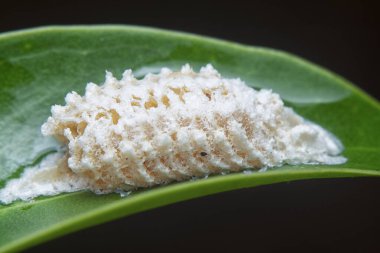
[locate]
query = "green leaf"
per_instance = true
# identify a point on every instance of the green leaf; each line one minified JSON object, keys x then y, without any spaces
{"x":38,"y":67}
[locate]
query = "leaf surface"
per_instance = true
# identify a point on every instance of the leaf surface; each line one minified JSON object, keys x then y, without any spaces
{"x":39,"y":66}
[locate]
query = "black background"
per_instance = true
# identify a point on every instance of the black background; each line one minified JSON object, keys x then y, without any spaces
{"x":330,"y":215}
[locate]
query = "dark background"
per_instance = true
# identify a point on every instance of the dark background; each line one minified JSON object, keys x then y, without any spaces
{"x":334,"y":215}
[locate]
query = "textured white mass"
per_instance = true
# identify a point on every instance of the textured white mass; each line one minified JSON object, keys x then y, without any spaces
{"x":50,"y":177}
{"x":173,"y":126}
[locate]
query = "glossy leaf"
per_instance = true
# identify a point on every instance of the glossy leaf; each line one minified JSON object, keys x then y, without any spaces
{"x":38,"y":67}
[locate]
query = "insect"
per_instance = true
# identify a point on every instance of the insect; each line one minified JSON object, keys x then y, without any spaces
{"x":172,"y":126}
